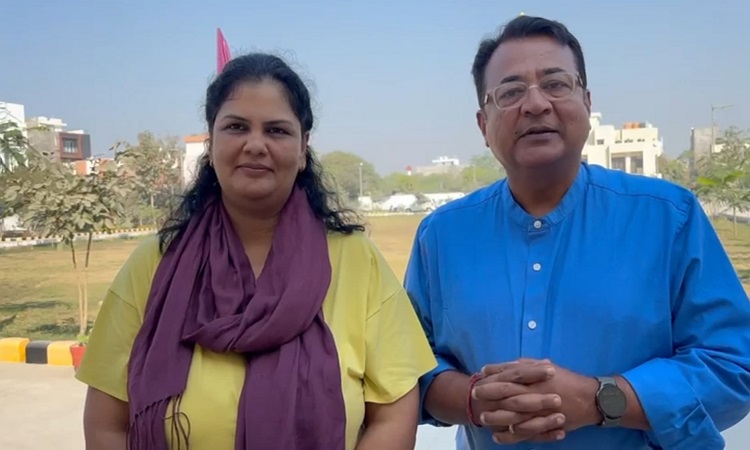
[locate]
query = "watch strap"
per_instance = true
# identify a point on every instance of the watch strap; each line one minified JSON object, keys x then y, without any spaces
{"x":607,"y":421}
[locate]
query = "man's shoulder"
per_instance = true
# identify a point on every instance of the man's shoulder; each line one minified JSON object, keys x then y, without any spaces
{"x":457,"y":213}
{"x":642,"y":188}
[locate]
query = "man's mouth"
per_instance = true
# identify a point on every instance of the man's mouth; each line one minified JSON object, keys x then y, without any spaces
{"x":538,"y":131}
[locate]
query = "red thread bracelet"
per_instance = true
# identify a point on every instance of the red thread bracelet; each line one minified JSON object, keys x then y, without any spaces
{"x":469,"y":412}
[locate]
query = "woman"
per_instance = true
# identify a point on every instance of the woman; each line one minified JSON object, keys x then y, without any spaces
{"x":261,"y":318}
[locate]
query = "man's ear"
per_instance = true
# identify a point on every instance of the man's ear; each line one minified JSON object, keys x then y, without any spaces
{"x":482,"y":124}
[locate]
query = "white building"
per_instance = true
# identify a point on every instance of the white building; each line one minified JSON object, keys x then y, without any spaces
{"x":635,"y":148}
{"x":13,"y":112}
{"x":48,"y":123}
{"x":195,"y":146}
{"x":442,"y":164}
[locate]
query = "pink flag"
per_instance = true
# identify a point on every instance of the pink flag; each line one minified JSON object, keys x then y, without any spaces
{"x":222,"y":51}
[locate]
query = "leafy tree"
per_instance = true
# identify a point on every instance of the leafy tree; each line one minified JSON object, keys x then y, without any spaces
{"x":344,"y":168}
{"x":677,"y":170}
{"x":400,"y":183}
{"x":12,"y":147}
{"x":152,"y":168}
{"x":726,"y":177}
{"x":483,"y":170}
{"x":16,"y":157}
{"x":58,"y":204}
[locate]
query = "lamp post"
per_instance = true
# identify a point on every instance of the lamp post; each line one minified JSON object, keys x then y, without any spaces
{"x":360,"y":180}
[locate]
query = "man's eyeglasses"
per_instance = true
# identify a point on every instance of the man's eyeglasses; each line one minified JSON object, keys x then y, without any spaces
{"x":555,"y":86}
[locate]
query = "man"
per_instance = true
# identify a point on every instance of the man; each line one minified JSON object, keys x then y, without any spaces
{"x":571,"y":306}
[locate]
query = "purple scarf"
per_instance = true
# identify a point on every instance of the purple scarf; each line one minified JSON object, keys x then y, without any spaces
{"x":204,"y":292}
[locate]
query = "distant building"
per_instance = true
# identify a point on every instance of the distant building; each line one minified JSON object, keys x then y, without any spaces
{"x":365,"y":203}
{"x":700,"y":142}
{"x":48,"y":136}
{"x":48,"y":123}
{"x":441,"y":165}
{"x":195,"y":147}
{"x":634,"y":148}
{"x":13,"y":112}
{"x":84,"y":167}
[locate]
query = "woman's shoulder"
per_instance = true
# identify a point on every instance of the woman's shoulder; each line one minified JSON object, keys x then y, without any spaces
{"x":357,"y":251}
{"x":353,"y":247}
{"x":134,"y":277}
{"x":145,"y":257}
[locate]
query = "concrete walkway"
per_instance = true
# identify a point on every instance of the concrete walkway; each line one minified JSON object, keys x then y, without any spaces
{"x":41,"y":408}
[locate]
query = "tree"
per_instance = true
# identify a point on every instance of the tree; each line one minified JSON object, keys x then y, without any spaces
{"x":16,"y":154}
{"x":399,"y":183}
{"x":153,"y":172}
{"x":725,"y":180}
{"x":61,"y":205}
{"x":483,"y":170}
{"x":677,"y":170}
{"x":344,"y":169}
{"x":12,"y":147}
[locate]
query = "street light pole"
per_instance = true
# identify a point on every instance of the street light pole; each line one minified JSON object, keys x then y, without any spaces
{"x":360,"y":180}
{"x":713,"y":126}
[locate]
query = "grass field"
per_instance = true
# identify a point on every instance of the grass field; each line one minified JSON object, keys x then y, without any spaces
{"x":38,"y":293}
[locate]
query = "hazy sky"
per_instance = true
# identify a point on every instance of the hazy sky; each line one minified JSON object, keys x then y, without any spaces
{"x":391,"y":83}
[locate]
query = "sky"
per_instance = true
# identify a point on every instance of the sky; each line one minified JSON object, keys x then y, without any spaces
{"x":391,"y":80}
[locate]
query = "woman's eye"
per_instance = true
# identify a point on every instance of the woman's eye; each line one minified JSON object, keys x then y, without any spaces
{"x":234,"y":127}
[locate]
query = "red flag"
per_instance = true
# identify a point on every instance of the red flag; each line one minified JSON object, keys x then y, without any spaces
{"x":222,"y":51}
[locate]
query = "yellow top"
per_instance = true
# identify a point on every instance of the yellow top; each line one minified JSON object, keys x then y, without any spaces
{"x":381,"y":346}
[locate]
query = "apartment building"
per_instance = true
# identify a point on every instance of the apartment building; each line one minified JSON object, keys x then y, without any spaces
{"x":634,"y":148}
{"x":48,"y":135}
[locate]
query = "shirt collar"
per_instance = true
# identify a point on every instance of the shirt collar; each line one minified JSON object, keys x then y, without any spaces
{"x":569,"y":201}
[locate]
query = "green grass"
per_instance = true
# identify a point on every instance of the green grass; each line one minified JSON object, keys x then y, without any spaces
{"x":38,"y":290}
{"x":39,"y":299}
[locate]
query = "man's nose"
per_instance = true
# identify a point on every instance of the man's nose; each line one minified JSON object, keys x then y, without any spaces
{"x":535,"y":103}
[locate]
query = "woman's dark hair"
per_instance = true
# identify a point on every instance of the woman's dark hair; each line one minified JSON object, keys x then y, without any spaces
{"x":519,"y":28}
{"x":258,"y":67}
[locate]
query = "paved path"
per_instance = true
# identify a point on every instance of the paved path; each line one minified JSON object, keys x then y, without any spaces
{"x":41,"y":406}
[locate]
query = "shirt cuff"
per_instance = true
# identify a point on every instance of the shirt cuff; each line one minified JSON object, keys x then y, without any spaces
{"x":424,"y":384}
{"x":677,"y":418}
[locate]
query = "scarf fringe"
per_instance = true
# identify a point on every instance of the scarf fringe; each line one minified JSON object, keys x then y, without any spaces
{"x":146,"y":430}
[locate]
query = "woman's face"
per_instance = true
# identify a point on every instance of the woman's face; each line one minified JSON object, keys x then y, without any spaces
{"x":257,"y":144}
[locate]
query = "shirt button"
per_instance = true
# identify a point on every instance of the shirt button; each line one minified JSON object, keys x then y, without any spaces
{"x":532,"y":324}
{"x":537,"y":267}
{"x":537,"y":224}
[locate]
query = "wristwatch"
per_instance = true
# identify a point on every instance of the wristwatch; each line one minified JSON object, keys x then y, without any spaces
{"x":610,"y":401}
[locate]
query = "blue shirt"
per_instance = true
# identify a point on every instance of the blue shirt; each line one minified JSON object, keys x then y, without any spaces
{"x":626,"y":276}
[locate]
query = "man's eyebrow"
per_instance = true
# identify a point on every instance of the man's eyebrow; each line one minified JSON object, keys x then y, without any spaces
{"x":548,"y":71}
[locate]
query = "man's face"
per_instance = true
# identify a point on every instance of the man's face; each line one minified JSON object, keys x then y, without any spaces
{"x":539,"y":126}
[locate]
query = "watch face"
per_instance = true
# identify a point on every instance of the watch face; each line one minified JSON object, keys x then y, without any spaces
{"x":612,"y":401}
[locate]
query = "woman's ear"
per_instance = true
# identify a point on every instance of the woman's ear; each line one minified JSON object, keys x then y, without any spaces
{"x":303,"y":154}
